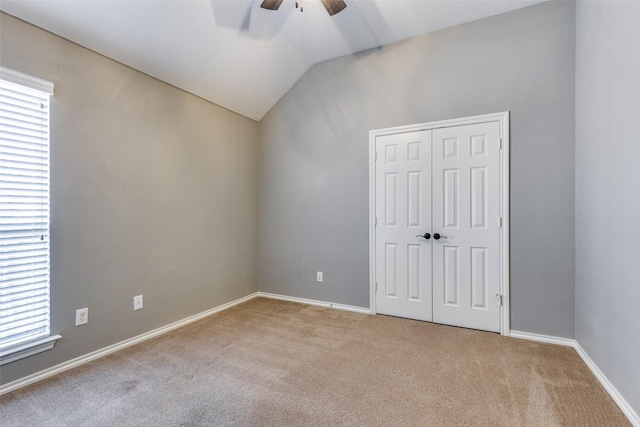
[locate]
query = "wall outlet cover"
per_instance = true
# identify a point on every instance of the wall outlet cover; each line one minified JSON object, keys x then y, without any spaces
{"x":137,"y":302}
{"x":82,"y":316}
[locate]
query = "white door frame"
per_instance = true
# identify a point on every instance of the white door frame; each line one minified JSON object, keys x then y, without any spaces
{"x":503,"y":120}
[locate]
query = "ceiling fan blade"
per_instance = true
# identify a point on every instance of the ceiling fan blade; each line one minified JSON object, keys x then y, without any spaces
{"x":271,"y":4}
{"x":334,"y":6}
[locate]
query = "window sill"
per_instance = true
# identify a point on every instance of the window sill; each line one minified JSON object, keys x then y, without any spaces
{"x":21,"y":351}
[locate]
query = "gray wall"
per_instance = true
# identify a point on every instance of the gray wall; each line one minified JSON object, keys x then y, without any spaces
{"x":608,"y":190}
{"x":154,"y":192}
{"x":314,"y":155}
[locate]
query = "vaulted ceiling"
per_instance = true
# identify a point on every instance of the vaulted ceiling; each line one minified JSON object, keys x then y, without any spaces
{"x":234,"y":53}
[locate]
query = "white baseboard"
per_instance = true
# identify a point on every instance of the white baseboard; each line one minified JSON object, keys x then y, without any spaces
{"x":39,"y":376}
{"x":314,"y":302}
{"x":548,"y":339}
{"x":608,"y":386}
{"x":613,"y":392}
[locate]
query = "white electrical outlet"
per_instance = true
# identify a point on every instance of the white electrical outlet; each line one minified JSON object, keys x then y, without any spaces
{"x":319,"y":277}
{"x":82,"y":316}
{"x":137,"y":302}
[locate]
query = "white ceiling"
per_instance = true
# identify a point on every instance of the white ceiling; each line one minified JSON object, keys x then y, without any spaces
{"x":233,"y":53}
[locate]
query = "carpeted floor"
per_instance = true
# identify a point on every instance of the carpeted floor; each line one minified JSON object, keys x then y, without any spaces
{"x":274,"y":363}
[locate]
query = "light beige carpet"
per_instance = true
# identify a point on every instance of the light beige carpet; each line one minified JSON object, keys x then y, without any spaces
{"x":273,"y":363}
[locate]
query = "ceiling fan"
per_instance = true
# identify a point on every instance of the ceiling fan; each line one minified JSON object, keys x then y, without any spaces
{"x":332,"y":6}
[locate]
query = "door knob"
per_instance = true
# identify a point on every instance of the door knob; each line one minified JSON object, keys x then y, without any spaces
{"x":426,"y":236}
{"x":438,"y":236}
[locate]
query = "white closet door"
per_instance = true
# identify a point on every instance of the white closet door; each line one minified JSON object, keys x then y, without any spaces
{"x":403,"y":210}
{"x":466,"y":211}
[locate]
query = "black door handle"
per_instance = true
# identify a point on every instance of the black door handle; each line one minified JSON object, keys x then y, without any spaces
{"x":438,"y":236}
{"x":426,"y":236}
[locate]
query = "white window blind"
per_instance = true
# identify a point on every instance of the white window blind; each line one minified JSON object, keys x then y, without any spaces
{"x":24,"y":211}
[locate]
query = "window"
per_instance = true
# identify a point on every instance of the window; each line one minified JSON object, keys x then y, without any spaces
{"x":24,"y":215}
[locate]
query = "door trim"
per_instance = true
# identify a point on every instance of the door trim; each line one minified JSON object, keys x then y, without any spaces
{"x":503,"y":120}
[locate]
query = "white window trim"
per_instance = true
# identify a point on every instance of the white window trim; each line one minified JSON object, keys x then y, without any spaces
{"x":26,"y":80}
{"x":23,"y":350}
{"x":40,"y":344}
